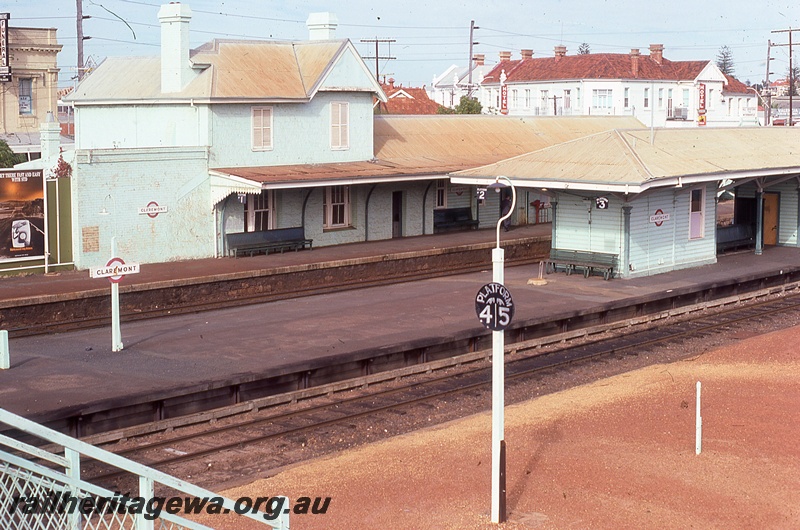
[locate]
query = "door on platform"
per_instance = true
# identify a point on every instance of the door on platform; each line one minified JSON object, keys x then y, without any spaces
{"x":397,"y":214}
{"x":770,"y":219}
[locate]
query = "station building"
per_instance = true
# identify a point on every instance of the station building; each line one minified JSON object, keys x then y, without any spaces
{"x":649,"y":197}
{"x":241,"y":136}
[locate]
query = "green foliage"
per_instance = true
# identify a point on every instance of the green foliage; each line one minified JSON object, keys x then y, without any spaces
{"x":7,"y":157}
{"x":583,"y":49}
{"x":468,"y":105}
{"x":445,"y":110}
{"x":725,"y":60}
{"x":793,"y":76}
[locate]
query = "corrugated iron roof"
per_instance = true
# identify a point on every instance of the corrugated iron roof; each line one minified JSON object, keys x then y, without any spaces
{"x":239,"y":69}
{"x":628,"y":158}
{"x":431,"y":146}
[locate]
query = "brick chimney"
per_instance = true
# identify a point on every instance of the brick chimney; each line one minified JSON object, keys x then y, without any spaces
{"x":505,"y":56}
{"x":322,"y":26}
{"x":526,"y":54}
{"x":560,"y":51}
{"x":479,"y":59}
{"x":391,"y":83}
{"x":176,"y":70}
{"x":657,"y":52}
{"x":635,"y":61}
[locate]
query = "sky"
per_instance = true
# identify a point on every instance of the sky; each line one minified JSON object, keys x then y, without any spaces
{"x":431,"y":36}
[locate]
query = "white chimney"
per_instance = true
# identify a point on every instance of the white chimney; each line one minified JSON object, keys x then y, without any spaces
{"x":50,"y":137}
{"x":322,"y":26}
{"x":176,"y":70}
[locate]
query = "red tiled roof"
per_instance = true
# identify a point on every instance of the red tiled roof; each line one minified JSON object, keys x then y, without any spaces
{"x":594,"y":66}
{"x":406,"y":100}
{"x":735,"y":86}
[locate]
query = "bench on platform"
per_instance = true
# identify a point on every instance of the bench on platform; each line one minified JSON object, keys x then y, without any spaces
{"x":588,"y":261}
{"x":735,"y":236}
{"x":279,"y":239}
{"x":445,"y":219}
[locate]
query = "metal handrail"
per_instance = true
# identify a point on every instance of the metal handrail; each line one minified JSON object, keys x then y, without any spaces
{"x":16,"y":467}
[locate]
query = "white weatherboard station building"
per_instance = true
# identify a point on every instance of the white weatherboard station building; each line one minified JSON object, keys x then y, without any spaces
{"x":660,"y":190}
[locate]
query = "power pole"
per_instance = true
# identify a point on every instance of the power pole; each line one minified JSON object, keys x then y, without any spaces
{"x":791,"y":69}
{"x":768,"y":110}
{"x":79,"y":23}
{"x":378,"y":41}
{"x":472,"y":28}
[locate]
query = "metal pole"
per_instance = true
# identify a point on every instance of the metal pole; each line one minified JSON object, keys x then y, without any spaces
{"x":116,"y":333}
{"x":498,"y":384}
{"x":5,"y":357}
{"x":698,"y":425}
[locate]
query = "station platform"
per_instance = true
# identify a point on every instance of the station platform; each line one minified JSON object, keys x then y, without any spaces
{"x":76,"y":372}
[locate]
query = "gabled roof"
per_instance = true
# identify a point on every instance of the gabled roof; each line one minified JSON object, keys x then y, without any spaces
{"x":226,"y":70}
{"x":406,"y":100}
{"x":733,"y":85}
{"x":428,"y":147}
{"x":594,"y":66}
{"x":626,"y":160}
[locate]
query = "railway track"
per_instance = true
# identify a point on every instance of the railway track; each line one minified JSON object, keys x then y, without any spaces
{"x":528,"y":359}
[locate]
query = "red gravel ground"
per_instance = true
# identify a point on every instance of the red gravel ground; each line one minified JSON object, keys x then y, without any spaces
{"x":619,"y":453}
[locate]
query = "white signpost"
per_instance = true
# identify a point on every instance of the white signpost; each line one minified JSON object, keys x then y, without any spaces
{"x":114,"y":270}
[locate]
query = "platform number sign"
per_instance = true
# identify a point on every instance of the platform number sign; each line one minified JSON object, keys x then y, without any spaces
{"x":494,"y":306}
{"x":601,"y":203}
{"x":480,"y":193}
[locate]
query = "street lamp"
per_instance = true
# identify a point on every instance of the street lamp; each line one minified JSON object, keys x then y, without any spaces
{"x":498,"y":375}
{"x":116,"y":332}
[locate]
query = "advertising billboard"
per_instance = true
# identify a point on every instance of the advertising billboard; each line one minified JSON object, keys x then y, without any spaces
{"x":22,"y":220}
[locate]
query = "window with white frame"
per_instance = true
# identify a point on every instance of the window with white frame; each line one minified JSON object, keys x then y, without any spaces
{"x":262,"y":128}
{"x":647,"y":98}
{"x":626,"y":99}
{"x":601,"y":98}
{"x":441,"y":193}
{"x":26,"y":96}
{"x":340,"y":125}
{"x":567,"y":102}
{"x":259,"y":212}
{"x":686,"y":98}
{"x":661,"y":98}
{"x":336,"y":207}
{"x":578,"y":97}
{"x":514,"y":98}
{"x":710,"y":101}
{"x":697,"y":201}
{"x":545,"y":95}
{"x":669,"y":102}
{"x":527,"y":98}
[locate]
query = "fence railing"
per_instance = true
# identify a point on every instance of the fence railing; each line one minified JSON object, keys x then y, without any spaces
{"x":44,"y":490}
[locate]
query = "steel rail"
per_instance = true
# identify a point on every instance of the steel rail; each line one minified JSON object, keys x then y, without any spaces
{"x":516,"y":369}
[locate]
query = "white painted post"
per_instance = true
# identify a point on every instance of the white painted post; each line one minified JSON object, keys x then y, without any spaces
{"x":698,"y":425}
{"x":498,"y":401}
{"x":5,"y":356}
{"x":116,"y":333}
{"x":146,"y":491}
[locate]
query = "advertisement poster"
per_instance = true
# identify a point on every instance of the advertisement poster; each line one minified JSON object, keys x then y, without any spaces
{"x":21,"y":214}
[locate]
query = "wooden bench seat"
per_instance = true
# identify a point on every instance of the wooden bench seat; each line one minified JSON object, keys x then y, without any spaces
{"x":279,"y":239}
{"x":445,"y":219}
{"x":588,"y":261}
{"x":735,"y":236}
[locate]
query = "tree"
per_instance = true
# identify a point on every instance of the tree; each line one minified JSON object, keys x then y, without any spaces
{"x":725,"y":60}
{"x":583,"y":49}
{"x":792,"y":76}
{"x":466,"y":105}
{"x":7,"y":157}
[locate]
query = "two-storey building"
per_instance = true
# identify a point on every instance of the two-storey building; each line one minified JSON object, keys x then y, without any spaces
{"x":653,"y":89}
{"x":28,"y":84}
